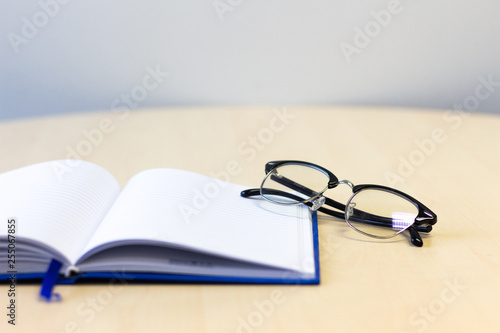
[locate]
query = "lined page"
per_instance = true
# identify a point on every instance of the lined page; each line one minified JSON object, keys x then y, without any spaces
{"x":192,"y":211}
{"x":58,"y":203}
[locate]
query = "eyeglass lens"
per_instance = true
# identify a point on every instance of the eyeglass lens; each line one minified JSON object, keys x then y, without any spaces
{"x":301,"y":182}
{"x":380,"y":213}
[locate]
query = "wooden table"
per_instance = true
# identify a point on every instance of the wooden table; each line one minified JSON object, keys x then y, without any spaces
{"x":448,"y":160}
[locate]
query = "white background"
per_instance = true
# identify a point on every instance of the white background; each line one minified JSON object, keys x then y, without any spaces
{"x":86,"y":54}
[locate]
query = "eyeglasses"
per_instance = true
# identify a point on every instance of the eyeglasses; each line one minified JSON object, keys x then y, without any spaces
{"x":373,"y":210}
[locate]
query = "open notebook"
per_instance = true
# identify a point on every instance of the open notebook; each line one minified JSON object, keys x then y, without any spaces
{"x":165,"y":224}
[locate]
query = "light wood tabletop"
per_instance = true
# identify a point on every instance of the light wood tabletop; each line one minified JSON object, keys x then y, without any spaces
{"x":448,"y":160}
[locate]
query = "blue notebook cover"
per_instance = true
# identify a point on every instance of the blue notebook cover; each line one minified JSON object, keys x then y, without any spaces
{"x":286,"y":278}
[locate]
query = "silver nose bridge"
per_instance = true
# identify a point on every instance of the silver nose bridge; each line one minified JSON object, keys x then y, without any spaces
{"x":347,"y":182}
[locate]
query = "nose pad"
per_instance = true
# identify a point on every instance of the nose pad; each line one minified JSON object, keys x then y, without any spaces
{"x":350,"y":209}
{"x":318,"y":203}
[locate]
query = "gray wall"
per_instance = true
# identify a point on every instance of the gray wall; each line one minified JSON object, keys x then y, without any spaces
{"x":64,"y":56}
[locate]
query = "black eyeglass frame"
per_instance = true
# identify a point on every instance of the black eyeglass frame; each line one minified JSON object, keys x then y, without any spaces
{"x":423,"y":221}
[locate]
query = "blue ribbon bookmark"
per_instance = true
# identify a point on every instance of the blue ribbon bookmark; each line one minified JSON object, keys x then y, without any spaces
{"x":49,"y":281}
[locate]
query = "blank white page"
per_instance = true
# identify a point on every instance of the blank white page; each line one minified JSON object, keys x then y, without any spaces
{"x":58,"y":203}
{"x":155,"y":204}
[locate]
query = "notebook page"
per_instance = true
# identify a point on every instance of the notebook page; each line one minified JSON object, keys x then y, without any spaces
{"x":58,"y":203}
{"x":192,"y":211}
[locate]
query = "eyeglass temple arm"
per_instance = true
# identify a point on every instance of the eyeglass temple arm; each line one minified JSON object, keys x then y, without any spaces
{"x":256,"y":191}
{"x":414,"y":235}
{"x":383,"y":221}
{"x":369,"y":219}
